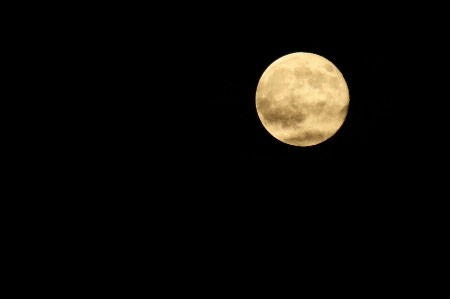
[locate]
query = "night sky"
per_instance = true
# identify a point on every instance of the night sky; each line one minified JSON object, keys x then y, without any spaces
{"x":193,"y":173}
{"x":225,"y":131}
{"x":208,"y":141}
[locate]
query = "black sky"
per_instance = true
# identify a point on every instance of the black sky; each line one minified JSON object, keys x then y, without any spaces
{"x":225,"y":66}
{"x":197,"y":124}
{"x":184,"y":155}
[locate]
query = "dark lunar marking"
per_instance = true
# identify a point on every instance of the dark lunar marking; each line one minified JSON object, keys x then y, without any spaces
{"x":314,"y":136}
{"x":318,"y":108}
{"x":288,"y":118}
{"x":334,"y":82}
{"x":274,"y":115}
{"x":328,"y":67}
{"x":306,"y":137}
{"x":317,"y":80}
{"x":302,"y":72}
{"x":286,"y":124}
{"x":263,"y":104}
{"x":344,"y":110}
{"x":298,"y":117}
{"x":293,"y":101}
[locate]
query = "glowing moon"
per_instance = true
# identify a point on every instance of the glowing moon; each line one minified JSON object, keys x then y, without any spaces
{"x":302,"y":99}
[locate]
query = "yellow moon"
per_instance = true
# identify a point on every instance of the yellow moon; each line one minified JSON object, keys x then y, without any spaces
{"x":302,"y":99}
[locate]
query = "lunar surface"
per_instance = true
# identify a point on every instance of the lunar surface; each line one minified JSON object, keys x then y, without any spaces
{"x":302,"y":99}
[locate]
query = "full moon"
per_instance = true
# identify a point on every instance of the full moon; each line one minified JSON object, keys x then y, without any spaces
{"x":302,"y":99}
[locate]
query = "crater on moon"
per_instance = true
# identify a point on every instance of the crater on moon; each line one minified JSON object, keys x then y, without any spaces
{"x":302,"y":99}
{"x":328,"y":67}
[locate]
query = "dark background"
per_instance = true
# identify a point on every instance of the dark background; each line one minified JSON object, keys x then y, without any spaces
{"x":187,"y":111}
{"x":165,"y":150}
{"x":199,"y":113}
{"x":180,"y":123}
{"x":142,"y":145}
{"x":196,"y":161}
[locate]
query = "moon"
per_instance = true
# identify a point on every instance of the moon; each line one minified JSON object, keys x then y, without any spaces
{"x":302,"y":99}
